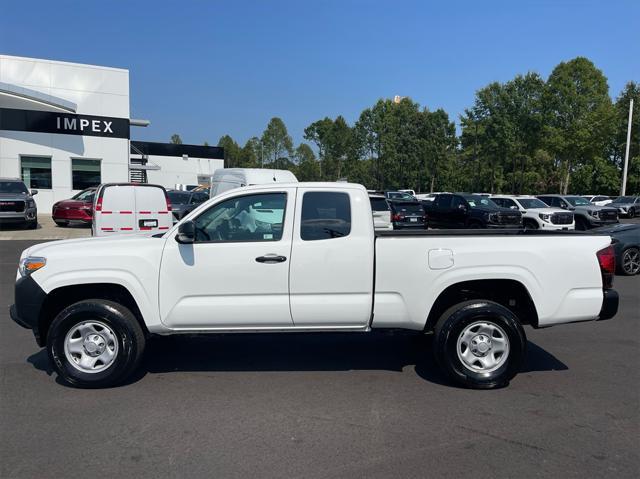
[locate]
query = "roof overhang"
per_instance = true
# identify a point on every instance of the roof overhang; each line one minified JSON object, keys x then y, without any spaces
{"x":24,"y":99}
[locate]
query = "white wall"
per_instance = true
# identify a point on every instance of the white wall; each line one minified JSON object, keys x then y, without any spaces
{"x":92,"y":90}
{"x":174,"y":170}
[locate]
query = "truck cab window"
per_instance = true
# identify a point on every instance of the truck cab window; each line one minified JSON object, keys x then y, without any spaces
{"x":244,"y":218}
{"x":325,"y":215}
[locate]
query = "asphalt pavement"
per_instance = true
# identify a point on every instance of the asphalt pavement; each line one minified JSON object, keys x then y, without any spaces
{"x":326,"y":406}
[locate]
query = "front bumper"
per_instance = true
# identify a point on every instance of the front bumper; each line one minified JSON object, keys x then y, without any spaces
{"x":29,"y":298}
{"x":69,"y":214}
{"x":610,"y":303}
{"x":29,"y":214}
{"x":504,"y":227}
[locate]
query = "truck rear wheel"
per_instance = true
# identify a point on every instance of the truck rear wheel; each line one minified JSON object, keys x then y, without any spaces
{"x":95,"y":343}
{"x":479,"y":344}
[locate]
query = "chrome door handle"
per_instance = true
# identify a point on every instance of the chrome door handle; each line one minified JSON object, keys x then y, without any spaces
{"x":271,"y":259}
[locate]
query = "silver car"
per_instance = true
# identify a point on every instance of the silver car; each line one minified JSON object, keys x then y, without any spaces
{"x":628,"y":206}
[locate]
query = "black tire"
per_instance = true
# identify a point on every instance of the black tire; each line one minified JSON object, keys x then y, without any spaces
{"x":451,"y":325}
{"x":581,"y":224}
{"x":32,"y":224}
{"x":127,"y":331}
{"x":61,"y":223}
{"x":631,"y":213}
{"x":629,"y":256}
{"x":475,"y":225}
{"x":530,"y":224}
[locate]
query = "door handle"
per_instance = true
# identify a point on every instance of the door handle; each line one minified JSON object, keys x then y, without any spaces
{"x":271,"y":259}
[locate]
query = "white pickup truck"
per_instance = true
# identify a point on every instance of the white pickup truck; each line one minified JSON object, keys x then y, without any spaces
{"x":305,"y":257}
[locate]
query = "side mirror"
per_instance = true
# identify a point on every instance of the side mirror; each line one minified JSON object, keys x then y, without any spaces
{"x":462,"y":207}
{"x":186,"y":233}
{"x":34,"y":192}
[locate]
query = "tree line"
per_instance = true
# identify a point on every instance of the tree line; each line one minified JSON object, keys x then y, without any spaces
{"x":528,"y":135}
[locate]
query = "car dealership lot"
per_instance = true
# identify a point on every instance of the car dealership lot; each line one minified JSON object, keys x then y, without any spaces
{"x":326,"y":405}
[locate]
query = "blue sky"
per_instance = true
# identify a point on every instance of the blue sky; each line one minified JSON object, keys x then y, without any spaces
{"x":203,"y":69}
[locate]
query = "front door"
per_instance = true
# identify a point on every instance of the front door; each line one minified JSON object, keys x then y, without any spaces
{"x":236,"y":274}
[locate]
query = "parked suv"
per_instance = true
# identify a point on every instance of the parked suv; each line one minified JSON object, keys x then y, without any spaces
{"x":381,"y":212}
{"x":628,"y":206}
{"x":184,"y":202}
{"x":465,"y":210}
{"x":17,"y":204}
{"x":408,"y":214}
{"x":536,"y":214}
{"x":587,"y":215}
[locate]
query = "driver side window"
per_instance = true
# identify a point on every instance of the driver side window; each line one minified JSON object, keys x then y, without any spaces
{"x":244,"y":218}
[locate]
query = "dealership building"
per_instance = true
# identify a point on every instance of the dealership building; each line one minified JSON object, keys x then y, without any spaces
{"x":66,"y":126}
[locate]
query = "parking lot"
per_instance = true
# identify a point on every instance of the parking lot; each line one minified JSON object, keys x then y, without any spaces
{"x":326,"y":405}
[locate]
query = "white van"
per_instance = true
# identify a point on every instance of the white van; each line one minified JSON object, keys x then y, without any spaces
{"x":130,"y":208}
{"x":225,"y":179}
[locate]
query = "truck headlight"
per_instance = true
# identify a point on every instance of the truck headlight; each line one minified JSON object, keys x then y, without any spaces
{"x":594,"y":214}
{"x":545,"y":217}
{"x":31,"y":204}
{"x":31,"y":264}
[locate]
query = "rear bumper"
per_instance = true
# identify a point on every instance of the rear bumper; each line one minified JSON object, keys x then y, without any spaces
{"x":29,"y":298}
{"x":610,"y":303}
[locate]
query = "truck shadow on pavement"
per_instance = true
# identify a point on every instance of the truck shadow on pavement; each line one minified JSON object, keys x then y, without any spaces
{"x":300,"y":352}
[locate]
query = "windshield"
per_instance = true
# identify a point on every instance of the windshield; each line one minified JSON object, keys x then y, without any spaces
{"x":397,"y":195}
{"x":476,"y":201}
{"x":178,"y":197}
{"x":577,"y":201}
{"x":532,"y":203}
{"x":624,"y":199}
{"x":13,"y":187}
{"x":86,"y":195}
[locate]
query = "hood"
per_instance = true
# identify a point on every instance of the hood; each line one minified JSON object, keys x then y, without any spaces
{"x":547,"y":211}
{"x":91,"y":246}
{"x":14,"y":196}
{"x":73,"y":203}
{"x":594,"y":208}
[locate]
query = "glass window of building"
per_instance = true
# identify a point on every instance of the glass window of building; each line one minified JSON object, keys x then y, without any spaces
{"x":85,"y":173}
{"x":36,"y":172}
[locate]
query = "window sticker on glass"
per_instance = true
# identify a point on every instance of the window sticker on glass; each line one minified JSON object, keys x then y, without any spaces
{"x":472,"y":203}
{"x":267,"y":236}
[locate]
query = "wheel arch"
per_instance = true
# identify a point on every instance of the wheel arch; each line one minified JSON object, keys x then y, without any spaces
{"x":510,"y":293}
{"x":61,"y":297}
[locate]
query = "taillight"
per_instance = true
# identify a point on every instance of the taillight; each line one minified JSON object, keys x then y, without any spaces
{"x":397,"y":217}
{"x":99,"y":203}
{"x":166,"y":197}
{"x":607,"y":262}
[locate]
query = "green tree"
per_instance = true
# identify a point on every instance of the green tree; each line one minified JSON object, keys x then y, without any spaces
{"x":232,"y":152}
{"x":580,"y":117}
{"x":307,"y":167}
{"x":276,"y":141}
{"x":251,"y":154}
{"x":175,"y":139}
{"x":619,"y":139}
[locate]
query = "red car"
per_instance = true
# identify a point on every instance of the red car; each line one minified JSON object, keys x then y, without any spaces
{"x":78,"y":209}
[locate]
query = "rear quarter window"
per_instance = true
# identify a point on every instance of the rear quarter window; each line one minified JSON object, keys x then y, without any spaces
{"x":325,"y":215}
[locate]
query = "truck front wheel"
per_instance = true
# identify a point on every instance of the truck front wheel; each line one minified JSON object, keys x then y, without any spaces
{"x":95,"y":343}
{"x":479,"y":344}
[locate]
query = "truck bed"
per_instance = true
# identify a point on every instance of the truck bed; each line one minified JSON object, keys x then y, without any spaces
{"x":483,"y":232}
